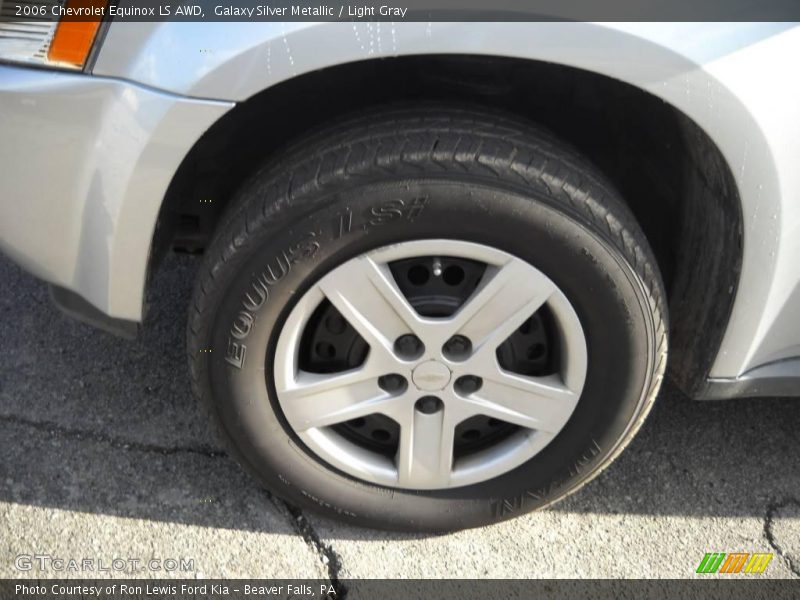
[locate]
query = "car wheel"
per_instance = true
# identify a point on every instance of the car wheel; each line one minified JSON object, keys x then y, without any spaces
{"x":427,"y":319}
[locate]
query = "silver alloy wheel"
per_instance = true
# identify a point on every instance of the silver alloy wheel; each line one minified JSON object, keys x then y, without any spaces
{"x":364,"y":291}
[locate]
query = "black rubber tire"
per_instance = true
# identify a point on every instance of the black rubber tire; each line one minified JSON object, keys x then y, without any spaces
{"x":409,"y":174}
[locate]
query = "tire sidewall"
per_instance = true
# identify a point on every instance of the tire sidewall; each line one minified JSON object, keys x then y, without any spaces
{"x":311,"y":236}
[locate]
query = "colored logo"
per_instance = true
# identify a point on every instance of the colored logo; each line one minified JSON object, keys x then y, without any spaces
{"x":735,"y":562}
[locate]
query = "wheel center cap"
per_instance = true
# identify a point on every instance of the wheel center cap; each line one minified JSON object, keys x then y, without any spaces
{"x":431,"y":376}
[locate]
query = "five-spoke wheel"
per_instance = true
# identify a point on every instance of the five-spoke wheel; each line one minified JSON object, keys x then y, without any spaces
{"x":430,"y":374}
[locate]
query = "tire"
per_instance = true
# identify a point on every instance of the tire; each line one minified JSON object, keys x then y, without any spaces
{"x":394,"y":179}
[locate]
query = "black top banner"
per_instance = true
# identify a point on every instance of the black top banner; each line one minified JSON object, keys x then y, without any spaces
{"x":402,"y":10}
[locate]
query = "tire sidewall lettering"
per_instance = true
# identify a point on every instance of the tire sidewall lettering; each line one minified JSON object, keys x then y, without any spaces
{"x":303,"y":249}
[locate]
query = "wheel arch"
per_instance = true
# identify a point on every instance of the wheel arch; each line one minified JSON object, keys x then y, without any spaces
{"x":672,"y":174}
{"x":710,"y":73}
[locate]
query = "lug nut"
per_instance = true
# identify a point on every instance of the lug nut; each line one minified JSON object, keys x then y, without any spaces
{"x":393,"y":383}
{"x":468,"y":384}
{"x":457,"y":347}
{"x":409,"y":346}
{"x":429,"y":405}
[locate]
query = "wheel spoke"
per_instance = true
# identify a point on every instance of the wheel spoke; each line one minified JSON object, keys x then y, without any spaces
{"x":319,"y":400}
{"x":425,"y":453}
{"x":367,"y":296}
{"x":505,"y":301}
{"x":540,"y":403}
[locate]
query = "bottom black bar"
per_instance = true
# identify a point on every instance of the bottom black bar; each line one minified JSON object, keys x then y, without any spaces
{"x":394,"y":589}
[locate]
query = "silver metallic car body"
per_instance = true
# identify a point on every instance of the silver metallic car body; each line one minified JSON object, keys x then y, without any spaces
{"x":85,"y":162}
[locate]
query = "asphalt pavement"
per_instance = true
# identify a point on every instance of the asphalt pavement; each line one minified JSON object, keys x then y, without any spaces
{"x":105,"y":455}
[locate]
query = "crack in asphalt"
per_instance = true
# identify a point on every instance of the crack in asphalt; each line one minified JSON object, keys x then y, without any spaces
{"x":769,"y":518}
{"x":327,"y":555}
{"x":294,"y":515}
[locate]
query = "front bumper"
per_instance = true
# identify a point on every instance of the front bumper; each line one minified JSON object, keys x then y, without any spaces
{"x":85,"y":163}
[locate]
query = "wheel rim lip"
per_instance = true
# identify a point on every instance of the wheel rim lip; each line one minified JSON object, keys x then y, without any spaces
{"x":374,"y":468}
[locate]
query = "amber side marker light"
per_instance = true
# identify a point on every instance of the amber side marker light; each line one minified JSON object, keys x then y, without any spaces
{"x":76,"y":31}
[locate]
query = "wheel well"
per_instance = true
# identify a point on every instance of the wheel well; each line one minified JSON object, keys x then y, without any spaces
{"x":670,"y":173}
